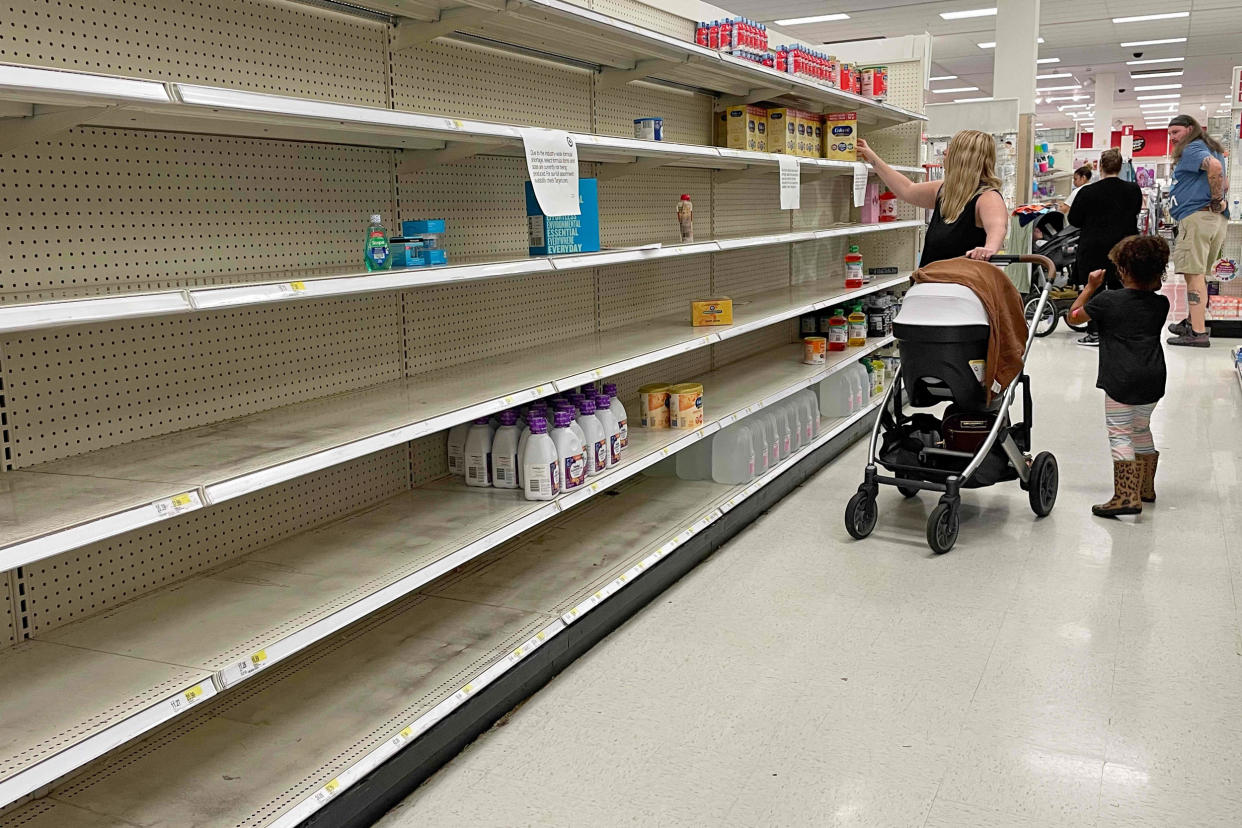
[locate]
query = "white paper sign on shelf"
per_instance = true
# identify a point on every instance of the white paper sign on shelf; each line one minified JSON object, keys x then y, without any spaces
{"x":860,"y":183}
{"x":552,"y":164}
{"x":791,"y":182}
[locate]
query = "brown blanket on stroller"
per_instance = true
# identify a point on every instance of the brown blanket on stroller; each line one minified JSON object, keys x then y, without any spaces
{"x":1003,"y":303}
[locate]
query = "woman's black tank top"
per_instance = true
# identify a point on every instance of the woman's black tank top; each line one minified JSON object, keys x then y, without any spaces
{"x":948,"y":241}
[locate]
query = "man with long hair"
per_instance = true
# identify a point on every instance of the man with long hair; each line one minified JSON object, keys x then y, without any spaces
{"x":1197,"y":202}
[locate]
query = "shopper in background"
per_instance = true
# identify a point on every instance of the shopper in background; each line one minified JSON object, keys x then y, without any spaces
{"x":970,"y":217}
{"x":1082,"y":177}
{"x":1106,"y":212}
{"x":1197,"y":203}
{"x":1131,"y":372}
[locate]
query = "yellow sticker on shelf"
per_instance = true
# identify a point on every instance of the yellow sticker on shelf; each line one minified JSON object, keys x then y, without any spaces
{"x":598,"y":596}
{"x":298,"y":285}
{"x":194,"y":692}
{"x":259,"y":657}
{"x":405,"y":734}
{"x":508,"y":400}
{"x":182,"y":500}
{"x":469,"y":688}
{"x":518,"y":652}
{"x":543,"y":635}
{"x":332,"y":786}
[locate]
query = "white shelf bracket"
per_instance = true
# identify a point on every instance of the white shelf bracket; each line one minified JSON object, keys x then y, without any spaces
{"x":610,"y":78}
{"x":610,"y":171}
{"x":19,"y":132}
{"x":411,"y":32}
{"x":415,"y":161}
{"x":753,"y":96}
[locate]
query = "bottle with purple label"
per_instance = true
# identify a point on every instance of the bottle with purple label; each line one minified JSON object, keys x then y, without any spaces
{"x":569,"y":450}
{"x":505,"y":455}
{"x":603,"y":413}
{"x":618,"y":411}
{"x":540,"y":464}
{"x":597,"y":441}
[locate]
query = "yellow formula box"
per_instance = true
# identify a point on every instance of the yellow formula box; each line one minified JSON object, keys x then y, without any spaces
{"x":817,"y":143}
{"x":782,"y":131}
{"x":841,"y":136}
{"x":742,"y":127}
{"x":718,"y":311}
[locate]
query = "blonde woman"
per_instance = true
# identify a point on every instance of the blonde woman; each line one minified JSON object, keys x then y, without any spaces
{"x":970,"y":218}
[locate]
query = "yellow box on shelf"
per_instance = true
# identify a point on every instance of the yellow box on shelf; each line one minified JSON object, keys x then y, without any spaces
{"x":718,"y":311}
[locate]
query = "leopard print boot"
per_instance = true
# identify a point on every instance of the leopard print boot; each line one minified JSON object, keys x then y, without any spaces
{"x":1147,"y":472}
{"x":1127,"y":484}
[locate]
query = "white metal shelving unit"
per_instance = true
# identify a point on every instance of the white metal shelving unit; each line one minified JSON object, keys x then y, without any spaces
{"x":223,"y":484}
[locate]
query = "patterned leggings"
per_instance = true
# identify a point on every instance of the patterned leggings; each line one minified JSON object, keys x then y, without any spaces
{"x":1129,"y":428}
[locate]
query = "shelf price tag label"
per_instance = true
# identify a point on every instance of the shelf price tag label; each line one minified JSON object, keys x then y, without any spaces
{"x":175,"y":505}
{"x":791,"y":182}
{"x":183,"y":701}
{"x":552,"y":164}
{"x":293,"y":287}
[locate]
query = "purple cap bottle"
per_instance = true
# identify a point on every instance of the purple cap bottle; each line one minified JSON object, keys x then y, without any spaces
{"x":610,"y":388}
{"x":483,"y":421}
{"x":538,"y":425}
{"x":563,"y":418}
{"x":602,"y":401}
{"x":586,"y":408}
{"x":508,"y":418}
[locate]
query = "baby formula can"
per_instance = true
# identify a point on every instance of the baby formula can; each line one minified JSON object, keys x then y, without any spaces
{"x":814,"y":350}
{"x":653,"y":405}
{"x":649,"y":129}
{"x":685,"y":405}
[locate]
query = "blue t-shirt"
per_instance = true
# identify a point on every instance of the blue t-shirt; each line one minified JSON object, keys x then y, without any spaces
{"x":1190,"y":190}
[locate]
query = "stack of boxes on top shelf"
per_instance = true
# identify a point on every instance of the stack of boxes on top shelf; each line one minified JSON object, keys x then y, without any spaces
{"x":789,"y":131}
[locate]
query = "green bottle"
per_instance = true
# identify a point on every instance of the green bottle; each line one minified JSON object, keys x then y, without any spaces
{"x":376,"y":252}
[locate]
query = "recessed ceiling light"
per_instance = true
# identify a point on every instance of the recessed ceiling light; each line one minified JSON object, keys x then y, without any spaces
{"x":1142,"y":17}
{"x":961,"y":15}
{"x":1039,"y":125}
{"x":1052,"y":75}
{"x":970,"y":100}
{"x":958,"y":89}
{"x":1066,"y":98}
{"x":1154,"y":42}
{"x":1158,"y":73}
{"x":943,"y":77}
{"x":819,"y":18}
{"x":1048,"y":60}
{"x":1156,"y":86}
{"x":1074,"y":106}
{"x":1159,"y":97}
{"x":991,"y":44}
{"x":1058,"y":88}
{"x":1146,"y":61}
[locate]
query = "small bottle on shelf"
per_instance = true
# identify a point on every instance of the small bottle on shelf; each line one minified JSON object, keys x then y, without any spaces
{"x":685,"y":218}
{"x":376,"y":252}
{"x":479,"y":453}
{"x":838,"y":331}
{"x":540,"y":464}
{"x":857,"y":327}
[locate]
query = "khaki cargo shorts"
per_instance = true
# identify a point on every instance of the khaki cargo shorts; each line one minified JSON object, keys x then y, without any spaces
{"x":1200,"y":242}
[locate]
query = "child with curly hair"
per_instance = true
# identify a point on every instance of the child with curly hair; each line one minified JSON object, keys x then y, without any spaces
{"x":1132,"y":371}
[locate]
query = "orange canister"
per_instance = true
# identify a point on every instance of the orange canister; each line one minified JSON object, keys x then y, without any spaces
{"x":653,"y":405}
{"x":814,"y":350}
{"x":685,"y":405}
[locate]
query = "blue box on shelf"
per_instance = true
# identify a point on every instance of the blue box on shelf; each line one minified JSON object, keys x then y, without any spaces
{"x":422,"y":228}
{"x":405,"y":252}
{"x":550,"y":235}
{"x":431,"y":258}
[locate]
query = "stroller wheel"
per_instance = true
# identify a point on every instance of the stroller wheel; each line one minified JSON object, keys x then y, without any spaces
{"x":1047,"y":321}
{"x":1074,"y":327}
{"x":1042,"y":490}
{"x":942,"y":526}
{"x":907,"y":491}
{"x":861,"y":514}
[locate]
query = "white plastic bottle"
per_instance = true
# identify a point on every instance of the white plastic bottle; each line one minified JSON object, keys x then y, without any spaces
{"x":537,"y":409}
{"x":603,"y":413}
{"x":759,"y":442}
{"x":570,"y":454}
{"x":694,"y":462}
{"x":733,"y":455}
{"x":794,"y":412}
{"x":618,"y":411}
{"x":784,"y":431}
{"x":863,"y":389}
{"x":774,"y":436}
{"x":572,"y":410}
{"x":836,"y":395}
{"x":505,"y":457}
{"x":479,"y":453}
{"x":540,"y":464}
{"x":597,"y":442}
{"x":457,"y":449}
{"x":809,"y":403}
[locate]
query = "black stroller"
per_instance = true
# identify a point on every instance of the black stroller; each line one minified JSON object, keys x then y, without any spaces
{"x":1060,"y":245}
{"x":942,"y":331}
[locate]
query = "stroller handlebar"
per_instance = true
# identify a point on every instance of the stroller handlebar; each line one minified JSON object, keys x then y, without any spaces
{"x":1008,"y":258}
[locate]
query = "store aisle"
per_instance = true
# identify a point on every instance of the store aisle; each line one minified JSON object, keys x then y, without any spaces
{"x":1070,"y":672}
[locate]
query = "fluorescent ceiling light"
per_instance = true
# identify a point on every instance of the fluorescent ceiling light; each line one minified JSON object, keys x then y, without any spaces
{"x":1154,"y":42}
{"x":969,"y":100}
{"x":1058,"y":88}
{"x":961,"y":15}
{"x":1169,"y":105}
{"x":1142,"y":17}
{"x":1048,"y":60}
{"x":54,"y":80}
{"x":1038,"y":125}
{"x":1066,"y":98}
{"x":1146,"y":61}
{"x":1054,"y":75}
{"x":1159,"y":97}
{"x":959,"y":89}
{"x":1159,"y":73}
{"x":943,"y":77}
{"x":1074,"y":106}
{"x":991,"y":44}
{"x":1156,"y":86}
{"x":819,"y":18}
